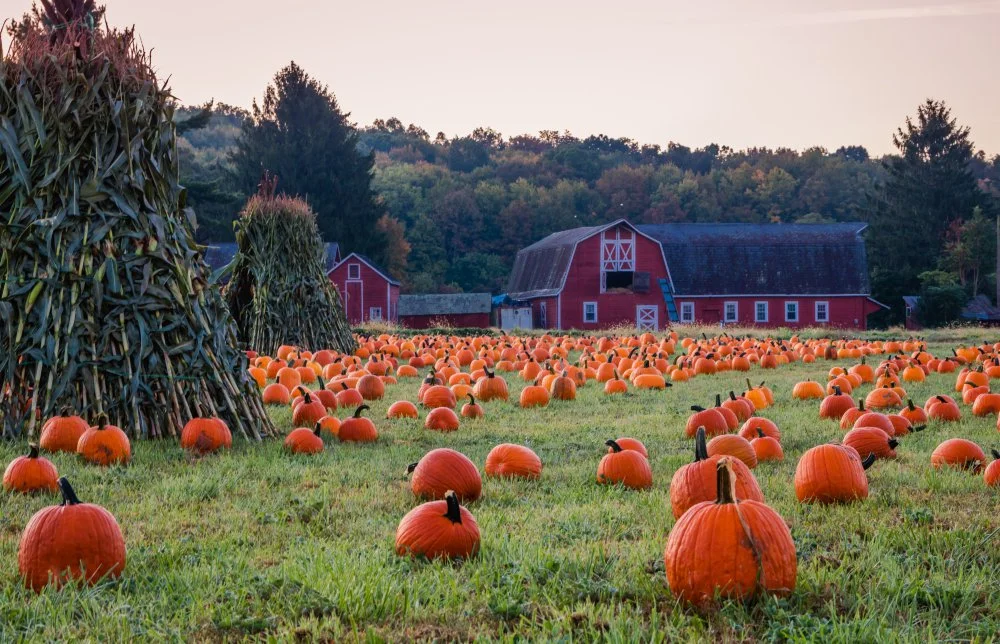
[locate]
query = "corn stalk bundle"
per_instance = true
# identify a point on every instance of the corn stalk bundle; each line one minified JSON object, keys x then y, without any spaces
{"x":280,"y":292}
{"x":106,"y":304}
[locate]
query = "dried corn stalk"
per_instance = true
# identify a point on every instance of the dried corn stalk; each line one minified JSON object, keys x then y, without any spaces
{"x":280,"y":292}
{"x":105,"y":301}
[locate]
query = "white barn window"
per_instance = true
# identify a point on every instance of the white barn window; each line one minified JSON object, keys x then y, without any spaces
{"x":760,"y":312}
{"x":354,"y":271}
{"x":822,"y":311}
{"x":791,"y":311}
{"x":375,"y":313}
{"x":687,"y":312}
{"x":731,"y":311}
{"x":590,"y":312}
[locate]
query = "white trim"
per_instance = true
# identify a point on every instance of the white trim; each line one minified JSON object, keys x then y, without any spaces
{"x":684,"y":307}
{"x":816,"y":311}
{"x":800,"y":295}
{"x":655,"y":319}
{"x":798,"y":315}
{"x":360,"y":259}
{"x":353,"y":274}
{"x":371,"y":313}
{"x":559,"y":310}
{"x":585,"y":320}
{"x":767,"y":312}
{"x":736,"y":310}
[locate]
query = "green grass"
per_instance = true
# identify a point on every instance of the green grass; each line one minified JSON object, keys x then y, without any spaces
{"x":257,"y":544}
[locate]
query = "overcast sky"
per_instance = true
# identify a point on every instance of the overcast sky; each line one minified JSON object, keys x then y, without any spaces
{"x":743,"y":73}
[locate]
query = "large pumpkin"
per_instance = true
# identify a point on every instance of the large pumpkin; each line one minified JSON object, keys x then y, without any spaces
{"x":357,"y":428}
{"x":751,"y":549}
{"x":624,"y":467}
{"x":445,"y":469}
{"x":31,"y":473}
{"x":510,"y":460}
{"x":713,"y":422}
{"x":871,"y":440}
{"x":62,"y":433}
{"x":73,"y":540}
{"x":442,"y":419}
{"x":696,"y":482}
{"x":204,"y":435}
{"x":489,"y":387}
{"x":832,"y":474}
{"x":438,"y":529}
{"x":304,"y":440}
{"x":438,"y":396}
{"x":960,"y":453}
{"x":308,"y":410}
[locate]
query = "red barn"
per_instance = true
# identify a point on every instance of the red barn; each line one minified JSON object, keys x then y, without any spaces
{"x":368,"y":291}
{"x":457,"y":310}
{"x":767,"y":275}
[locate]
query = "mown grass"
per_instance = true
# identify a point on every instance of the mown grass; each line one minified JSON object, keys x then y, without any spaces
{"x":256,"y":543}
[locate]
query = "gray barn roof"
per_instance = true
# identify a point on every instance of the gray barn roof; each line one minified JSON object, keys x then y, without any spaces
{"x":720,"y":259}
{"x":219,"y":255}
{"x":445,"y":304}
{"x":764,"y":259}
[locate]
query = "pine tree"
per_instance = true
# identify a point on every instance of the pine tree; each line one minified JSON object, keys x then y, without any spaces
{"x":106,"y":305}
{"x":929,"y":186}
{"x":300,"y":134}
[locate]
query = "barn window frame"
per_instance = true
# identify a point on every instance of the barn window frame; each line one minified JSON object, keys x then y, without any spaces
{"x":618,"y":258}
{"x":375,"y":313}
{"x":354,"y":271}
{"x":757,"y":317}
{"x":590,"y":319}
{"x":687,"y":312}
{"x":791,"y":305}
{"x":826,"y":311}
{"x":736,"y":311}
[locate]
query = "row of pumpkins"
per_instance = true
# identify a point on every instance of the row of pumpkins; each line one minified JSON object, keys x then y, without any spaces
{"x":715,"y":492}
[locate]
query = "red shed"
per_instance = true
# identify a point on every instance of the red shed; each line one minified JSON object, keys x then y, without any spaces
{"x":766,"y":275}
{"x":458,"y":310}
{"x":368,"y":291}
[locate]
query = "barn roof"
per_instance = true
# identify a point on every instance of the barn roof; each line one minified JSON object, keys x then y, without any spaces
{"x":540,"y":269}
{"x":980,"y":308}
{"x":219,"y":255}
{"x":372,"y":265}
{"x":764,"y":259}
{"x":445,"y":304}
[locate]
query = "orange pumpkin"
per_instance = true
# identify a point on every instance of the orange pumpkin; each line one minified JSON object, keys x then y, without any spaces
{"x":357,"y":428}
{"x":62,"y":433}
{"x":205,"y":435}
{"x":960,"y":453}
{"x":304,"y":440}
{"x":104,"y":444}
{"x":510,"y":460}
{"x":441,"y":470}
{"x":624,"y":467}
{"x":31,"y":473}
{"x":442,"y":419}
{"x":832,"y":474}
{"x":438,"y":529}
{"x":735,"y":446}
{"x":696,"y":482}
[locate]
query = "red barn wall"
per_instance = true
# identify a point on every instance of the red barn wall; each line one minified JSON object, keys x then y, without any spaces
{"x":846,"y":312}
{"x":456,"y":320}
{"x":583,"y":284}
{"x":359,"y":296}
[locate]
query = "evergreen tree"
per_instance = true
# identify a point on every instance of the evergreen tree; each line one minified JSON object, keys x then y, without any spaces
{"x":929,"y":185}
{"x":300,"y":134}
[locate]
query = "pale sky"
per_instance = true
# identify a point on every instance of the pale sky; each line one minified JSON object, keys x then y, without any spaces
{"x":792,"y":73}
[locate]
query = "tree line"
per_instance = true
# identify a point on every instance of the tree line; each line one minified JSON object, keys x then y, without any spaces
{"x":449,"y":214}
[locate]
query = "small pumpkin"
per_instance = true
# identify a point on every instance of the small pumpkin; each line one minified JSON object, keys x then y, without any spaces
{"x":834,"y":405}
{"x":441,"y":470}
{"x":992,"y":473}
{"x":205,"y":435}
{"x":630,"y":443}
{"x":807,"y":390}
{"x":304,"y":440}
{"x":276,"y":394}
{"x":767,"y":448}
{"x":534,"y":396}
{"x":31,"y":473}
{"x":562,"y":388}
{"x":72,"y":540}
{"x":371,"y":387}
{"x":871,"y":440}
{"x":439,"y":396}
{"x":442,"y":419}
{"x":357,"y":428}
{"x":751,"y":551}
{"x":942,"y":408}
{"x":62,"y":433}
{"x":510,"y":460}
{"x":308,"y":411}
{"x":713,"y":422}
{"x":735,"y":446}
{"x":624,"y":467}
{"x":615,"y":385}
{"x":755,"y":425}
{"x":438,"y":530}
{"x":348,"y":397}
{"x":472,"y":409}
{"x":402,"y":409}
{"x":104,"y":444}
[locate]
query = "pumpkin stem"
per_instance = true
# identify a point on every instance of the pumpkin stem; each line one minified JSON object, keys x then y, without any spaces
{"x":65,"y":412}
{"x":613,"y":445}
{"x":102,"y":420}
{"x":995,"y":453}
{"x":454,"y":513}
{"x":749,"y":386}
{"x":725,"y":482}
{"x":869,"y":460}
{"x":318,"y":428}
{"x":836,"y":389}
{"x":68,"y":495}
{"x":489,"y":373}
{"x":909,"y":403}
{"x":893,"y":443}
{"x":472,"y":399}
{"x":718,"y":400}
{"x":33,"y":450}
{"x":344,"y":385}
{"x":861,"y":404}
{"x":411,"y":467}
{"x":760,"y":433}
{"x":696,"y":408}
{"x":357,"y":412}
{"x":732,"y":395}
{"x":941,"y":398}
{"x":700,"y":447}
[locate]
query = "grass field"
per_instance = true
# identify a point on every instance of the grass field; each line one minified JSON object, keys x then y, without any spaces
{"x":257,"y":544}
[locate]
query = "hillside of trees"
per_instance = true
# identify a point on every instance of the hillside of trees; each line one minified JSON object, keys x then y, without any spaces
{"x":457,"y":210}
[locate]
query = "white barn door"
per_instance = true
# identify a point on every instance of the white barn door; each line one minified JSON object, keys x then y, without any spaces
{"x":647,"y":318}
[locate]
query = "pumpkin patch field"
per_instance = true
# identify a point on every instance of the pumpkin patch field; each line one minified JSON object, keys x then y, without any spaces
{"x":619,"y":488}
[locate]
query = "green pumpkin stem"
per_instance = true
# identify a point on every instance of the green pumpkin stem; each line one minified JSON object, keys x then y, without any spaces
{"x":454,"y":513}
{"x":68,"y":495}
